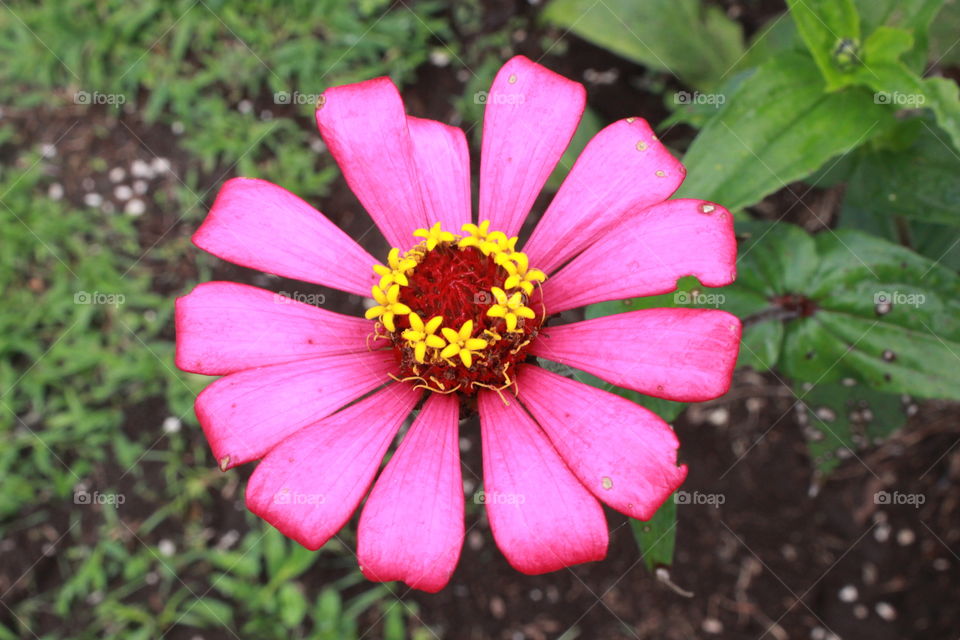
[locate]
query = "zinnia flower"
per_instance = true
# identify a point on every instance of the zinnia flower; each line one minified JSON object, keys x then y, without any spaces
{"x":457,"y":324}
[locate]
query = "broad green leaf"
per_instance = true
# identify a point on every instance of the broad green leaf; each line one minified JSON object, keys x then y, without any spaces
{"x":831,"y":29}
{"x":780,"y":126}
{"x":863,"y":308}
{"x":843,"y":418}
{"x":695,"y":42}
{"x":919,"y":182}
{"x":658,"y":536}
{"x":773,"y":38}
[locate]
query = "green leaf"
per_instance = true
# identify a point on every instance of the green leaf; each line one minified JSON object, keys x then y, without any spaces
{"x":913,"y":16}
{"x":843,"y":418}
{"x":944,"y":49}
{"x":658,"y":536}
{"x":780,"y":126}
{"x":831,"y":29}
{"x":590,"y":125}
{"x":856,"y":306}
{"x":895,"y":84}
{"x":695,"y":42}
{"x":919,"y":182}
{"x":291,"y":604}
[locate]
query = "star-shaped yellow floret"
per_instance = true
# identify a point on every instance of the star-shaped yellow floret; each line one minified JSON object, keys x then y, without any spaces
{"x":509,"y":308}
{"x":397,"y":270}
{"x":434,"y":236}
{"x":460,"y":343}
{"x":420,"y":335}
{"x":517,"y":265}
{"x":488,"y":242}
{"x":388,"y":306}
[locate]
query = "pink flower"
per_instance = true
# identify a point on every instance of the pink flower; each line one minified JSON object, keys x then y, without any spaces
{"x":458,"y":315}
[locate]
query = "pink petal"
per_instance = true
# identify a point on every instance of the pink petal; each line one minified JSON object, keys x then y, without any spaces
{"x":365,"y":127}
{"x":623,"y":169}
{"x":310,"y":484}
{"x":224,"y":327}
{"x":530,"y":117}
{"x":623,"y":453}
{"x":411,"y":528}
{"x":677,"y":354}
{"x":262,"y":226}
{"x":542,"y":518}
{"x":645,"y":255}
{"x":443,"y":160}
{"x":245,"y":414}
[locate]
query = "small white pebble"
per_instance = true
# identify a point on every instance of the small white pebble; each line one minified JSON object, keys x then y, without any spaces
{"x":166,"y":547}
{"x":160,"y":165}
{"x":172,"y":424}
{"x":906,"y":537}
{"x":152,"y":578}
{"x":122,"y":192}
{"x":711,"y":625}
{"x":245,"y":106}
{"x":117,"y":174}
{"x":886,"y":611}
{"x":93,"y":199}
{"x":88,"y":184}
{"x":882,"y":532}
{"x":48,"y":150}
{"x":55,"y":191}
{"x":177,"y":128}
{"x":141,"y":169}
{"x":718,"y":417}
{"x":266,"y":115}
{"x":818,"y":633}
{"x":536,"y":595}
{"x":475,"y":540}
{"x":140,"y":187}
{"x":848,"y":593}
{"x":135,"y":207}
{"x":465,"y":444}
{"x":317,"y":145}
{"x":439,"y":58}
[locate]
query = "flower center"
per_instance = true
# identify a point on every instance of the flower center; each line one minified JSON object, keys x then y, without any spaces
{"x":460,"y":310}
